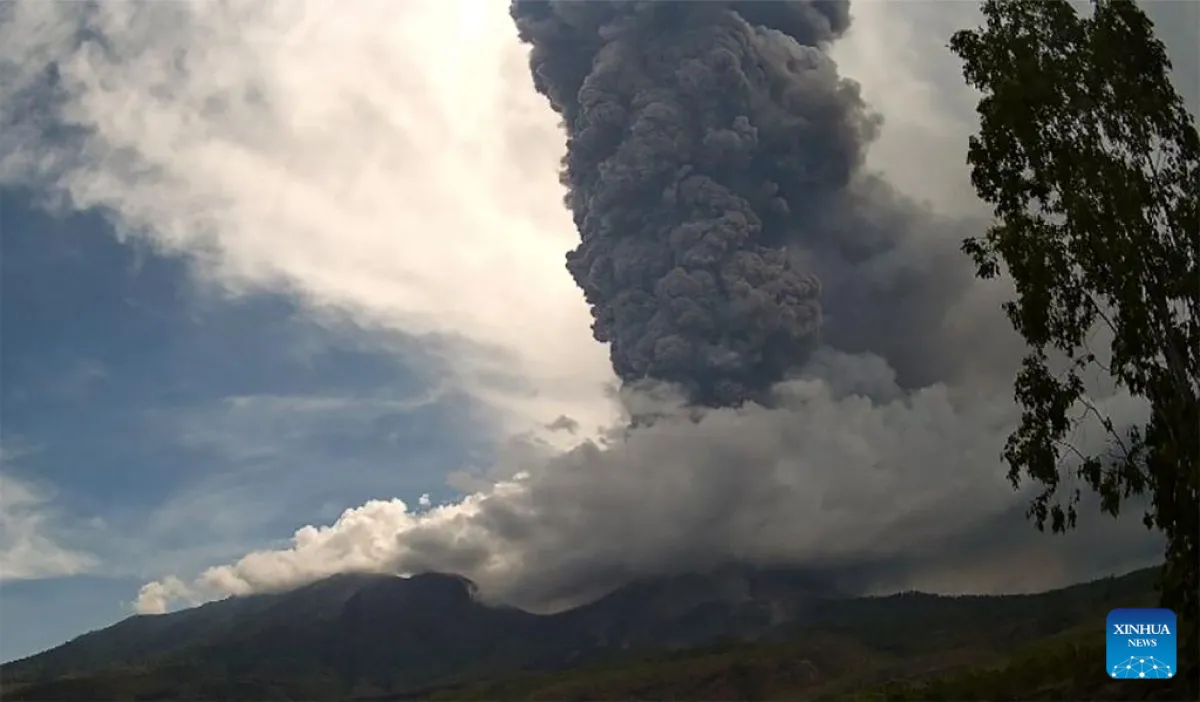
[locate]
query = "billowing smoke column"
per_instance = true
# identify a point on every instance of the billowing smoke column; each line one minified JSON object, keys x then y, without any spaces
{"x":702,"y":138}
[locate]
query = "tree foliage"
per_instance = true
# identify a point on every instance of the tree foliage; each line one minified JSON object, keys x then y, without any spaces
{"x":1089,"y":158}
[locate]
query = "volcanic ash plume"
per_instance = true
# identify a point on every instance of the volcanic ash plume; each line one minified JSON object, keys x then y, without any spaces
{"x":701,"y":138}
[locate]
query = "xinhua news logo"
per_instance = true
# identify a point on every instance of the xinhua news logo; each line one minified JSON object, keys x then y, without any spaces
{"x":1140,"y":644}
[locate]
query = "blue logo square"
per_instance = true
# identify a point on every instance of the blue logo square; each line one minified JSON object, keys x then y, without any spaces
{"x":1140,"y":644}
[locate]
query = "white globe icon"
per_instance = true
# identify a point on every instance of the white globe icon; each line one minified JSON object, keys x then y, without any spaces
{"x":1141,"y":667}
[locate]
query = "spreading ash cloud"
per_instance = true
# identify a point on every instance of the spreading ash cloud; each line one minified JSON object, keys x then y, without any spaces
{"x":830,"y":385}
{"x":713,"y":170}
{"x":869,"y":496}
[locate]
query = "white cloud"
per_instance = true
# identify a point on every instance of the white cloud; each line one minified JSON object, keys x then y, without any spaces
{"x":361,"y":540}
{"x":350,"y":155}
{"x":155,"y":597}
{"x":29,"y":549}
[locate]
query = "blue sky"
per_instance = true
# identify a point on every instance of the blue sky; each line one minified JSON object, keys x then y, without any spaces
{"x":174,"y":425}
{"x":223,"y":324}
{"x":304,"y":257}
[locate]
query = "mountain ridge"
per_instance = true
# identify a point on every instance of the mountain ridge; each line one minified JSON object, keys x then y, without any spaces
{"x":380,"y":634}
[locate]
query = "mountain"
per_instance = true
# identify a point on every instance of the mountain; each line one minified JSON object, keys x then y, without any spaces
{"x":384,"y":636}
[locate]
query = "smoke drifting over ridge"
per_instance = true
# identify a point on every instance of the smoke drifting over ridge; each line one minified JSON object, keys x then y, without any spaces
{"x":877,"y":463}
{"x":713,"y":160}
{"x":712,"y":149}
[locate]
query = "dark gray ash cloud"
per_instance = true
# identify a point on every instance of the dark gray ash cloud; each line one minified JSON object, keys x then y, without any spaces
{"x":713,"y":165}
{"x":693,"y":150}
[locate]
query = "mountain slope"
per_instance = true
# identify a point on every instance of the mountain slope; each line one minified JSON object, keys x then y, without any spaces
{"x":385,"y":636}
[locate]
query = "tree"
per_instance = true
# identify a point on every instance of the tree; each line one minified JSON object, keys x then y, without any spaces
{"x":1089,"y":159}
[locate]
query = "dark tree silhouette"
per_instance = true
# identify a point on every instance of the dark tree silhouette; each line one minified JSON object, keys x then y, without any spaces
{"x":1090,"y":160}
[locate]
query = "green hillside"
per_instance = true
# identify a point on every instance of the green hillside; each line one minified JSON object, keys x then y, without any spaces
{"x":1048,"y":646}
{"x":909,"y":646}
{"x":1068,"y":666}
